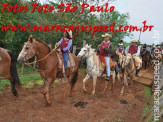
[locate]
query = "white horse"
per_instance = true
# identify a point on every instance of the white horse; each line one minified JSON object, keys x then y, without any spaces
{"x":95,"y":68}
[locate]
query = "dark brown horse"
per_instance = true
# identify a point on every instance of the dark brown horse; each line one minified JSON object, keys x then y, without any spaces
{"x":48,"y":65}
{"x":146,"y":57}
{"x":8,"y":69}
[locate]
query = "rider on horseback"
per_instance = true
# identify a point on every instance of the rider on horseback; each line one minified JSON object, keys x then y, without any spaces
{"x":65,"y":44}
{"x":105,"y":50}
{"x":120,"y":49}
{"x":134,"y":49}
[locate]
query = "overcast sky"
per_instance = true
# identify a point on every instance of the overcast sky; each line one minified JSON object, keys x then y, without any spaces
{"x":140,"y":10}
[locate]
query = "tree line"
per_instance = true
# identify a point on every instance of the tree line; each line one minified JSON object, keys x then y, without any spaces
{"x":15,"y":40}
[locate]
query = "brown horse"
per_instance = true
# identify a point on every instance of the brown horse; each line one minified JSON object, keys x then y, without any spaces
{"x":48,"y":65}
{"x":8,"y":69}
{"x":146,"y":58}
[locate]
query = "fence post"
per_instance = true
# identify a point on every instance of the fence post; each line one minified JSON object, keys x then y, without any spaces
{"x":84,"y":43}
{"x":74,"y":49}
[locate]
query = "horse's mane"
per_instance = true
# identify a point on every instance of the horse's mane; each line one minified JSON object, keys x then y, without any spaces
{"x":97,"y":61}
{"x":42,"y":42}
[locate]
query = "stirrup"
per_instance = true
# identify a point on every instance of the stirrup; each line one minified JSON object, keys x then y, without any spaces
{"x":64,"y":75}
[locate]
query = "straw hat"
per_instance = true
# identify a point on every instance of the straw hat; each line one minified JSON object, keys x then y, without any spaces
{"x":120,"y":44}
{"x":69,"y":32}
{"x":107,"y":35}
{"x":134,"y":41}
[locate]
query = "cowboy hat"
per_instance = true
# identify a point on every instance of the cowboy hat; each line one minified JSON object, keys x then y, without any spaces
{"x":107,"y":35}
{"x":134,"y":41}
{"x":120,"y":44}
{"x":69,"y":32}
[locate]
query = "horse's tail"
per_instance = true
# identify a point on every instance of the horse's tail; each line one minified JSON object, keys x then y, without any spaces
{"x":74,"y":80}
{"x":13,"y":69}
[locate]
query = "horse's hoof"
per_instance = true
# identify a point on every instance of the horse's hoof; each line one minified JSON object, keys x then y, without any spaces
{"x":93,"y":93}
{"x":103,"y":92}
{"x":15,"y":94}
{"x":84,"y":90}
{"x":121,"y":94}
{"x":48,"y":104}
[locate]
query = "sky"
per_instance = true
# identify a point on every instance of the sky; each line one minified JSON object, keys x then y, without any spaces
{"x":139,"y":11}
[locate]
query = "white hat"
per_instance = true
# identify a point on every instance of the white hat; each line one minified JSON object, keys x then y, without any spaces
{"x":121,"y":44}
{"x":134,"y":41}
{"x":107,"y":35}
{"x":69,"y":32}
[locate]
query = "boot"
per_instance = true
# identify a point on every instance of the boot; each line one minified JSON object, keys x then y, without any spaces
{"x":64,"y":75}
{"x":107,"y":78}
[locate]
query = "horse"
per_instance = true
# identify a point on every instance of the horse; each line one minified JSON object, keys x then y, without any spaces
{"x":146,"y":58}
{"x":120,"y":59}
{"x":49,"y":66}
{"x":129,"y":70}
{"x":8,"y":69}
{"x":95,"y":67}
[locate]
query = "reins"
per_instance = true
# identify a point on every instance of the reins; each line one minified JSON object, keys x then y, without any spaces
{"x":44,"y":57}
{"x":28,"y":64}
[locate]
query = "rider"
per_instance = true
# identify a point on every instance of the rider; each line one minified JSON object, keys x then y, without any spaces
{"x":65,"y":44}
{"x":105,"y":50}
{"x":134,"y":49}
{"x":144,"y":47}
{"x":120,"y":49}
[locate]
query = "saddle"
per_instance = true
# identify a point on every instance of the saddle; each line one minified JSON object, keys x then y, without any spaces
{"x":112,"y":63}
{"x":70,"y":63}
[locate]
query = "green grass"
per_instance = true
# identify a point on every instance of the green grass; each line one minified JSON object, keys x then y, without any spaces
{"x":28,"y":79}
{"x":147,"y":107}
{"x":82,"y":72}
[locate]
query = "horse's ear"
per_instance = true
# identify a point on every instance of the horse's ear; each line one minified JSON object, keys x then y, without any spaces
{"x":86,"y":45}
{"x":89,"y":46}
{"x":30,"y":39}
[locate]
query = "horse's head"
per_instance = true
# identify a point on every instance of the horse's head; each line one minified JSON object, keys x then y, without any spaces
{"x":127,"y":60}
{"x":84,"y":53}
{"x":28,"y":51}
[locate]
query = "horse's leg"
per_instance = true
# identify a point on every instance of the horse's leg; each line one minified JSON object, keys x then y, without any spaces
{"x":64,"y":94}
{"x":124,"y":83}
{"x":106,"y":85}
{"x":48,"y":82}
{"x":12,"y":83}
{"x":94,"y":84}
{"x":113,"y":76}
{"x":73,"y":82}
{"x":118,"y":76}
{"x":84,"y":81}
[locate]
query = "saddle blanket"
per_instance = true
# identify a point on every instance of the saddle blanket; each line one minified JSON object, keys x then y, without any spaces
{"x":71,"y":62}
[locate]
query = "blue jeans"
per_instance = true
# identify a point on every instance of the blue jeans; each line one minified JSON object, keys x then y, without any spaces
{"x":107,"y":59}
{"x":65,"y":59}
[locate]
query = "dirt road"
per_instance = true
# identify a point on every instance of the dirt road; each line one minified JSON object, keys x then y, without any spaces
{"x":30,"y":107}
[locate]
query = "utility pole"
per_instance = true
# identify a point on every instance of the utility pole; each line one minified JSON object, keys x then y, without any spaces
{"x":140,"y":34}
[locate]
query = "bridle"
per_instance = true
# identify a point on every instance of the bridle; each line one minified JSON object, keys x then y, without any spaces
{"x":28,"y":64}
{"x":82,"y":57}
{"x":89,"y":55}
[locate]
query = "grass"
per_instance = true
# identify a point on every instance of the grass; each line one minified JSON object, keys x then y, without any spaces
{"x":28,"y":79}
{"x":147,"y":107}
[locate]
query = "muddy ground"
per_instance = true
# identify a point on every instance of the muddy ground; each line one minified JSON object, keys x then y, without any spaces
{"x":30,"y":106}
